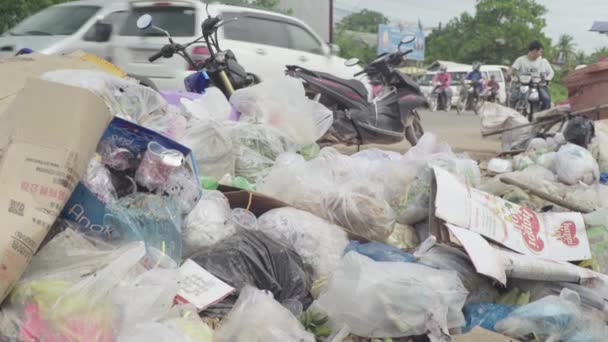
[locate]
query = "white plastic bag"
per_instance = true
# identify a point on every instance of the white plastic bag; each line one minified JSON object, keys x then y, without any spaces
{"x":548,"y":161}
{"x":282,"y":104}
{"x":495,"y":117}
{"x":599,"y":148}
{"x":257,"y":317}
{"x":319,"y":243}
{"x":212,"y":147}
{"x":392,"y":299}
{"x":212,"y":105}
{"x":575,"y":164}
{"x":208,"y":223}
{"x":498,"y":165}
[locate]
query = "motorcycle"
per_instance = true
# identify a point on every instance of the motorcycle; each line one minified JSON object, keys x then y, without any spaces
{"x":438,"y":99}
{"x":528,"y":100}
{"x":470,"y":99}
{"x":221,"y":69}
{"x":388,"y":118}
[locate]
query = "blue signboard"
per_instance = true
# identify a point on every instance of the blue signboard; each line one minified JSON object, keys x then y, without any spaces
{"x":389,"y":38}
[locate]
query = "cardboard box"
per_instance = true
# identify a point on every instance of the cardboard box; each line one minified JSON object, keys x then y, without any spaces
{"x":52,"y":131}
{"x":84,"y":207}
{"x":479,"y":334}
{"x":257,"y":203}
{"x":554,"y":236}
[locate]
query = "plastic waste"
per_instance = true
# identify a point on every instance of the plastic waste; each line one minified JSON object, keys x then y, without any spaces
{"x":392,"y":299}
{"x":157,"y":165}
{"x":575,"y":164}
{"x":521,"y":162}
{"x":257,"y":317}
{"x":579,"y":131}
{"x":485,"y":315}
{"x":379,"y":252}
{"x":377,"y":154}
{"x":208,"y":223}
{"x":98,"y":180}
{"x":404,"y":237}
{"x":495,"y":117}
{"x":243,"y":219}
{"x":175,"y":97}
{"x":548,"y":161}
{"x":154,"y":219}
{"x":599,"y":148}
{"x":498,"y":165}
{"x":252,"y":258}
{"x":212,"y":105}
{"x":318,"y":242}
{"x":554,"y":318}
{"x":212,"y":147}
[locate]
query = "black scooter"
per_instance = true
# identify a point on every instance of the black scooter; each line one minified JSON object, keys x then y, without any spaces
{"x":389,"y":118}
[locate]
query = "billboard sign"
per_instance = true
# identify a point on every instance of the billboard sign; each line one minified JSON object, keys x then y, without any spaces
{"x":389,"y":38}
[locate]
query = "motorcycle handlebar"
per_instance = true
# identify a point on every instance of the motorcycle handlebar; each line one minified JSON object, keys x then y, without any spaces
{"x":155,"y":56}
{"x":360,"y":73}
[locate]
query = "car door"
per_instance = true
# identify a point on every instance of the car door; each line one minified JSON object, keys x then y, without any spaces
{"x":307,"y":50}
{"x":90,"y":42}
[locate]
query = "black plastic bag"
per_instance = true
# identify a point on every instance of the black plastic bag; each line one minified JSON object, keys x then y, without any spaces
{"x":579,"y":131}
{"x":252,"y":258}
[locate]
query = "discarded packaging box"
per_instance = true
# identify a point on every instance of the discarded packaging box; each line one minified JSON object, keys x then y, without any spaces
{"x":52,"y":131}
{"x":84,"y":207}
{"x":479,"y":334}
{"x":555,"y":236}
{"x":255,"y":202}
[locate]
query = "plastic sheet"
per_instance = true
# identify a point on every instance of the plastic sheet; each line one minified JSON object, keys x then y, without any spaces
{"x":318,"y":242}
{"x":252,"y":258}
{"x":208,"y":223}
{"x":392,"y":299}
{"x":554,"y":318}
{"x":289,"y":110}
{"x":257,"y":317}
{"x":575,"y":164}
{"x":379,"y":252}
{"x":154,"y":219}
{"x":212,"y":147}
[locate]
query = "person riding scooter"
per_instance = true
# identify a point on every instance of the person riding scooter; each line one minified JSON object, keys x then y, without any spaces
{"x":533,"y":64}
{"x":444,"y":78}
{"x":493,"y":88}
{"x":476,"y":77}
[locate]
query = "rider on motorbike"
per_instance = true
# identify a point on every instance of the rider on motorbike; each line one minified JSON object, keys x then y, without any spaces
{"x":533,"y":64}
{"x":493,"y":88}
{"x":476,"y":77}
{"x":444,"y":78}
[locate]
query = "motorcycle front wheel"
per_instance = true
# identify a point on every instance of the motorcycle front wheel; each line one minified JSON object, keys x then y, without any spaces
{"x":461,"y":106}
{"x":433,"y":104}
{"x":414,"y":132}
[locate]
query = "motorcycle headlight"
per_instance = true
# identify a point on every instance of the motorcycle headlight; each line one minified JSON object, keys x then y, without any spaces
{"x":534,"y":96}
{"x":524,"y":89}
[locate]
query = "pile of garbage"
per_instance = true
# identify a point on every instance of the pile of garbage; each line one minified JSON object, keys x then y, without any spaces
{"x":146,"y":216}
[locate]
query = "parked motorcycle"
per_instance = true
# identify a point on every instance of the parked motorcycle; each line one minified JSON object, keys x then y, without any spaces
{"x":528,"y":100}
{"x":388,"y":118}
{"x":470,"y":98}
{"x":438,"y":100}
{"x":221,"y":69}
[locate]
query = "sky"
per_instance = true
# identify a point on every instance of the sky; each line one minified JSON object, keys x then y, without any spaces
{"x":574,"y":17}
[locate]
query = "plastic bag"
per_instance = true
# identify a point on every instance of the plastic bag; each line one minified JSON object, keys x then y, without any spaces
{"x":495,"y":117}
{"x":171,"y":124}
{"x":575,"y":164}
{"x":548,"y":161}
{"x":208,"y":223}
{"x":98,"y":180}
{"x":182,"y":187}
{"x":377,"y":154}
{"x":154,"y":219}
{"x":252,"y":258}
{"x":498,"y":165}
{"x":404,"y":237}
{"x":318,"y":242}
{"x":125,"y":98}
{"x":554,"y":318}
{"x":212,"y":147}
{"x":379,"y":252}
{"x":257,"y":317}
{"x":579,"y":131}
{"x":392,"y":299}
{"x":485,"y":315}
{"x":282,"y":104}
{"x":599,"y":149}
{"x":212,"y":105}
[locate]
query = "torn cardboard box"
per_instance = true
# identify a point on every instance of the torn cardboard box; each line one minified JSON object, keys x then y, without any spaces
{"x":482,"y":335}
{"x":52,"y":131}
{"x":555,"y":236}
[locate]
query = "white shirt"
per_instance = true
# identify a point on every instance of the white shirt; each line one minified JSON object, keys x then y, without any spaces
{"x":538,"y":67}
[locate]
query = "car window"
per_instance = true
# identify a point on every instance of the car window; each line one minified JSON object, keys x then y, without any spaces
{"x":114,"y":18}
{"x":457,"y":77}
{"x":303,"y":40}
{"x":425,"y":80}
{"x":257,"y":30}
{"x":179,"y":21}
{"x":59,"y":20}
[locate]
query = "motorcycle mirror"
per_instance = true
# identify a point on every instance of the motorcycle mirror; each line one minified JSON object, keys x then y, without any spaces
{"x":407,"y":39}
{"x":144,"y":22}
{"x":352,"y":62}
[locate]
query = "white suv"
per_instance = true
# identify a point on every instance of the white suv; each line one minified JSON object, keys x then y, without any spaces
{"x":263,"y":42}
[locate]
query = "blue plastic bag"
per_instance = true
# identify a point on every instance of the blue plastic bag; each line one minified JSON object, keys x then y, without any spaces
{"x":379,"y":252}
{"x":485,"y":315}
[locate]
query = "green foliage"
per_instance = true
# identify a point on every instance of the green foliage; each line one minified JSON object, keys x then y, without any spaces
{"x":353,"y":47}
{"x":364,"y":21}
{"x":14,"y":11}
{"x":498,"y":33}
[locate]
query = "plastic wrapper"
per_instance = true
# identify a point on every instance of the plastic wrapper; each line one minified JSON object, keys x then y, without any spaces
{"x":154,"y":219}
{"x":498,"y":165}
{"x":125,"y":98}
{"x":485,"y":315}
{"x":98,"y":180}
{"x":404,"y":237}
{"x":379,"y":252}
{"x":575,"y":164}
{"x":257,"y":317}
{"x":554,"y":318}
{"x":182,"y":187}
{"x":392,"y":299}
{"x":252,"y":258}
{"x":212,"y":105}
{"x":288,"y":110}
{"x":319,"y":243}
{"x":208,"y":223}
{"x":212,"y":147}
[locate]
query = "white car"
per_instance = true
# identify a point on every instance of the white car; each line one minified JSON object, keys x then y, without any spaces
{"x":263,"y":42}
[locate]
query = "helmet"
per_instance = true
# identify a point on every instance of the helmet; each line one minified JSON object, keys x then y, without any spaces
{"x":443,"y":68}
{"x":476,"y":66}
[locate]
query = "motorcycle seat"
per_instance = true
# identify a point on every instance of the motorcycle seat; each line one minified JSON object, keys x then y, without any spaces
{"x":355,"y":85}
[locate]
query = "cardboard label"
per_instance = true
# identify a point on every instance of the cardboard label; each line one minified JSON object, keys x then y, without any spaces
{"x":557,"y":236}
{"x":53,"y":134}
{"x":199,"y":287}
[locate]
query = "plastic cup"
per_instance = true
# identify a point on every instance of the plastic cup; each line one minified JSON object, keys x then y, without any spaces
{"x":244,"y":219}
{"x":157,"y":165}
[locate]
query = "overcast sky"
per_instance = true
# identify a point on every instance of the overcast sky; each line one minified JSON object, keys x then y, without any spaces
{"x":565,"y":16}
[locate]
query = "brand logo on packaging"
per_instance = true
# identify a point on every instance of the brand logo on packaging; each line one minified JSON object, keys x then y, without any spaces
{"x":526,"y":221}
{"x":567,"y":234}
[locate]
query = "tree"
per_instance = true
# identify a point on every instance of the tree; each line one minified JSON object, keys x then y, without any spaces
{"x":565,"y":47}
{"x":14,"y":11}
{"x":352,"y":46}
{"x":364,"y":21}
{"x":498,"y":33}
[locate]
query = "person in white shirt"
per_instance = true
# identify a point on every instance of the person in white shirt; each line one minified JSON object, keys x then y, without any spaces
{"x":535,"y":65}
